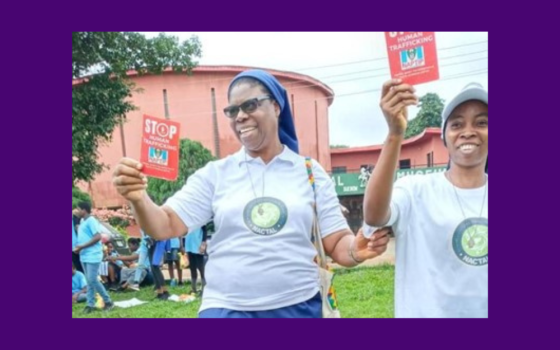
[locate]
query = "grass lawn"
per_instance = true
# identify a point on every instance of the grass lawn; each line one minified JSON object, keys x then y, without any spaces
{"x":362,"y":292}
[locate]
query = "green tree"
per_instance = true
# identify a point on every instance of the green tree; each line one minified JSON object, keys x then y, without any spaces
{"x":431,"y":107}
{"x":79,"y":196}
{"x":99,"y":101}
{"x":192,"y":156}
{"x":339,"y":146}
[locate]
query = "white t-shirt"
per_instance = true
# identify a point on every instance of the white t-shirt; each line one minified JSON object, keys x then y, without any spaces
{"x":261,"y":256}
{"x":441,"y":257}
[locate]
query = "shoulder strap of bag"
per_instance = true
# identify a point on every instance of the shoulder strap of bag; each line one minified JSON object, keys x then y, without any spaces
{"x":315,"y":237}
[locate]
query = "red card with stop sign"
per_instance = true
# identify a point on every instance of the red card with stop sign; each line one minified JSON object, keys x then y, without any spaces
{"x":160,"y":148}
{"x":412,"y":56}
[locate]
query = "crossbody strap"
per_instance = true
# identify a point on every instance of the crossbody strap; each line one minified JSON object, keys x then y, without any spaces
{"x":316,"y":236}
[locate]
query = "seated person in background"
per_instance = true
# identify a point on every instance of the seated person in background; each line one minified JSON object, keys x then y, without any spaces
{"x":114,"y":267}
{"x":103,"y":271}
{"x":127,"y":280}
{"x":79,"y":286}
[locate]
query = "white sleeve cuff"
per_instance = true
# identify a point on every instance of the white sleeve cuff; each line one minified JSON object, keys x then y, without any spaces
{"x":369,"y":230}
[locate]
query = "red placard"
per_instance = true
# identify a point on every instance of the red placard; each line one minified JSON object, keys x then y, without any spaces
{"x":160,"y":148}
{"x":412,"y":56}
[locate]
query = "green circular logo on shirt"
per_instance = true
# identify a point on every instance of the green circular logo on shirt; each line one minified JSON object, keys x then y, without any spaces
{"x":470,"y":241}
{"x":265,"y":216}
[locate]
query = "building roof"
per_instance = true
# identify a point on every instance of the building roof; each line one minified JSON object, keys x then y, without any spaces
{"x":238,"y":69}
{"x":407,"y":142}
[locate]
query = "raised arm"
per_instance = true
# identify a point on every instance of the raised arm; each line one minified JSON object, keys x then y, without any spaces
{"x":395,"y":98}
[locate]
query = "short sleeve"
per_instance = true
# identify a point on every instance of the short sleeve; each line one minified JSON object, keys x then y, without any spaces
{"x":330,"y":215}
{"x":193,"y":202}
{"x":401,"y":203}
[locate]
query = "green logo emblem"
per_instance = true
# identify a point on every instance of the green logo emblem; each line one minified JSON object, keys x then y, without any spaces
{"x":265,"y":216}
{"x":470,"y":241}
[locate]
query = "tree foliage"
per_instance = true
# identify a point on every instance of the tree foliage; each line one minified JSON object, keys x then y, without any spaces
{"x":79,"y":196}
{"x":101,"y":60}
{"x":431,"y":107}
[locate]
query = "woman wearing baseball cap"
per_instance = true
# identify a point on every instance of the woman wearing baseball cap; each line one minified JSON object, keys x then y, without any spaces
{"x":440,"y":220}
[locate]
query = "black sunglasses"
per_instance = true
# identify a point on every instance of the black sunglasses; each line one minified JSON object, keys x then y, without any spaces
{"x":247,"y":107}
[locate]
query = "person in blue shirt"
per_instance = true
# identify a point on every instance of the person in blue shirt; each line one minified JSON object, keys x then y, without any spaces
{"x":195,"y":246}
{"x":156,"y":252}
{"x":79,"y":286}
{"x":91,"y":254}
{"x":128,"y":274}
{"x":114,"y":266}
{"x":75,"y":257}
{"x":172,"y":257}
{"x":143,"y":260}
